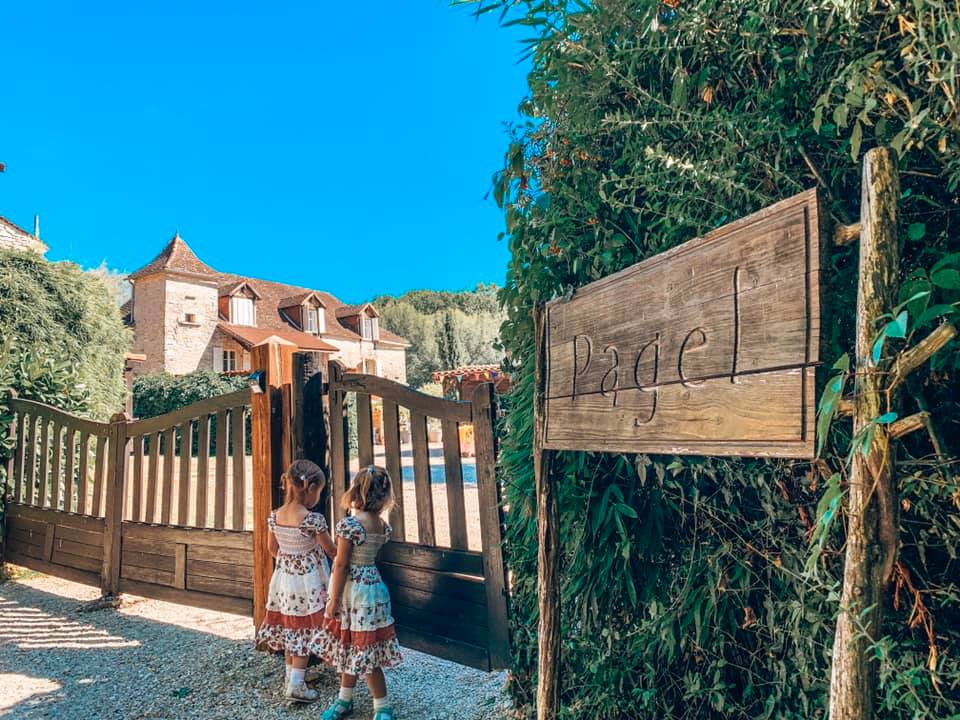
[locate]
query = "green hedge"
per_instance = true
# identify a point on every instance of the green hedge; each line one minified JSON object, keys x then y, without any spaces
{"x":685,"y":586}
{"x":159,"y":393}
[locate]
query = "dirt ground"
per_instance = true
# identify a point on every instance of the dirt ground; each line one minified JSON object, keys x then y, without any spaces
{"x":152,"y":659}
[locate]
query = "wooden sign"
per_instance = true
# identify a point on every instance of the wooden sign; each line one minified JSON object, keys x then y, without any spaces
{"x":706,"y":349}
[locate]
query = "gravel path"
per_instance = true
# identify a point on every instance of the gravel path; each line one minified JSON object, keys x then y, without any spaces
{"x":152,"y":659}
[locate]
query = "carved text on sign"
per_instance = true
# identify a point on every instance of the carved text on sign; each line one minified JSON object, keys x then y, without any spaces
{"x":705,"y":349}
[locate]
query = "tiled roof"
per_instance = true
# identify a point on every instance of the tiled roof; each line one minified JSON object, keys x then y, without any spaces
{"x":468,"y":370}
{"x":272,"y":296}
{"x":250,"y":336}
{"x":351,"y":310}
{"x":299,"y":299}
{"x":175,"y":257}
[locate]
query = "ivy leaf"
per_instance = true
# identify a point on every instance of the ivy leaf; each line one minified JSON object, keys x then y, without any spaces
{"x":896,"y":328}
{"x":951,"y":259}
{"x":885,"y":419}
{"x":932,"y":313}
{"x":829,"y":400}
{"x":916,"y":231}
{"x":946,"y":278}
{"x":856,"y":137}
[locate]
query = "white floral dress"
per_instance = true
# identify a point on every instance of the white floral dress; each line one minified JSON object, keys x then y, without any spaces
{"x":363,"y":638}
{"x":298,"y":589}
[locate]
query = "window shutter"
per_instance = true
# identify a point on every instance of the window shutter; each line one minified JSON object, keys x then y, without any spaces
{"x":217,"y":359}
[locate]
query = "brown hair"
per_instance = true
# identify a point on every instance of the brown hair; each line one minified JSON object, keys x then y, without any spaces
{"x":371,"y":490}
{"x":300,"y":478}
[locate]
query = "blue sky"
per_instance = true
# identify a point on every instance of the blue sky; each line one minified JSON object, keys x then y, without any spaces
{"x":343,"y":146}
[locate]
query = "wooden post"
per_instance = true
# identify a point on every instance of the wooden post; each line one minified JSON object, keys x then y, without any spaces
{"x":309,"y":422}
{"x":113,"y":504}
{"x":871,"y":511}
{"x":548,"y":532}
{"x":271,"y":455}
{"x":339,"y":432}
{"x":491,"y":523}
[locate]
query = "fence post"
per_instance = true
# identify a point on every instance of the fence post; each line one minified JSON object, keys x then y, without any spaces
{"x":871,"y":510}
{"x":271,"y":453}
{"x":309,"y":425}
{"x":113,"y":505}
{"x":339,"y":434}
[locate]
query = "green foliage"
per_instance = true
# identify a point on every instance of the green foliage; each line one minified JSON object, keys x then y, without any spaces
{"x":445,"y":329}
{"x":160,"y":393}
{"x":647,"y":127}
{"x":63,"y":338}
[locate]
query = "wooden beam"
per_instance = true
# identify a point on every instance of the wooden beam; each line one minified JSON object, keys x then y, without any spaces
{"x":871,"y":511}
{"x":846,"y":234}
{"x":908,"y":424}
{"x":113,"y":504}
{"x":913,"y":357}
{"x":275,"y":361}
{"x":548,"y":542}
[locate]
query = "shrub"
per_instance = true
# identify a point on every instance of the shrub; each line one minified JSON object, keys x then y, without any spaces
{"x":684,"y":587}
{"x":160,"y":393}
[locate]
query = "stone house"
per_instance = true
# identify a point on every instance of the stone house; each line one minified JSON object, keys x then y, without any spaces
{"x":12,"y":236}
{"x":186,"y":316}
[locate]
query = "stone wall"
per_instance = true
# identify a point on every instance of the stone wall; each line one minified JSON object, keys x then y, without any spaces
{"x":148,"y":312}
{"x":15,"y":238}
{"x":187,"y":344}
{"x":393,"y":363}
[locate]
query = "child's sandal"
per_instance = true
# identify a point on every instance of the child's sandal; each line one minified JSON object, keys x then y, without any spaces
{"x":339,"y":709}
{"x":384,"y":713}
{"x":299,"y":692}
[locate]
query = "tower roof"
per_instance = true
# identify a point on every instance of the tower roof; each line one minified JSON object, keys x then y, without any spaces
{"x":175,"y":257}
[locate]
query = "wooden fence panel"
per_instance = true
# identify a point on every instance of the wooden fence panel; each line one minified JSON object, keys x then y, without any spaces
{"x":421,"y":478}
{"x":391,"y":448}
{"x":364,"y":430}
{"x":98,"y":470}
{"x":68,"y":441}
{"x":220,"y":488}
{"x":169,"y":456}
{"x":453,"y":479}
{"x":183,"y":482}
{"x":238,"y":485}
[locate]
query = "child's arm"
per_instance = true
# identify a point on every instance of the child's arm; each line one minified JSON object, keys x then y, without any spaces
{"x":326,"y":542}
{"x":338,"y":579}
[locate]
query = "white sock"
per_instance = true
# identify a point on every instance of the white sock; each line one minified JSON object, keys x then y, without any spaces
{"x":380,"y":703}
{"x":286,"y":672}
{"x":296,"y":676}
{"x":346,"y":694}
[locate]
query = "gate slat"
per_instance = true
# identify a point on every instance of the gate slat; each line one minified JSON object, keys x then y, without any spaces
{"x":55,"y":452}
{"x":183,"y":488}
{"x":338,"y":435}
{"x":84,"y":450}
{"x":136,"y":510}
{"x":44,"y":462}
{"x":152,"y":473}
{"x":99,"y":462}
{"x":453,"y":479}
{"x":421,"y":479}
{"x":166,"y":498}
{"x":391,"y":447}
{"x":203,"y":468}
{"x":237,"y":438}
{"x":220,"y":488}
{"x":18,"y":458}
{"x":30,"y":458}
{"x":364,"y":430}
{"x":68,"y":441}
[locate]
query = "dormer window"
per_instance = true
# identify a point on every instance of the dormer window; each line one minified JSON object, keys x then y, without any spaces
{"x":370,"y":328}
{"x":313,"y":321}
{"x":241,"y":311}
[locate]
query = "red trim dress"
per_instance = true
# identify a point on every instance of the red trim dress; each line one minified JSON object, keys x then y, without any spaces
{"x":363,"y":638}
{"x":298,"y":589}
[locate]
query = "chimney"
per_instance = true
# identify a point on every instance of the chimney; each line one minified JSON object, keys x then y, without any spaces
{"x":36,"y":227}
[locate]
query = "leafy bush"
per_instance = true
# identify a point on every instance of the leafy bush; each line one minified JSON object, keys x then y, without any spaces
{"x":160,"y":393}
{"x":684,"y":583}
{"x":64,"y":338}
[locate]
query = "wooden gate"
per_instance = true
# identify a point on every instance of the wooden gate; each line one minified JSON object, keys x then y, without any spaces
{"x":132,"y":506}
{"x":445,"y":570}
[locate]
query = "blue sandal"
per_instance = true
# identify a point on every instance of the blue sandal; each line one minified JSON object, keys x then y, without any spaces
{"x":339,"y":709}
{"x":384,"y":713}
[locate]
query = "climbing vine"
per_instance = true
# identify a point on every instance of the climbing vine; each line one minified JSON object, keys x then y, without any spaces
{"x":707,"y":587}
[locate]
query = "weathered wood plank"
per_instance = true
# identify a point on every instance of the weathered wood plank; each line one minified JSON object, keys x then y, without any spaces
{"x":113,"y":504}
{"x":453,"y":479}
{"x":632,"y":355}
{"x":180,"y":566}
{"x":18,"y":456}
{"x":462,"y":653}
{"x":194,"y":410}
{"x":153,"y":474}
{"x":83,"y":482}
{"x":339,"y":460}
{"x":228,"y":555}
{"x":70,"y":452}
{"x":203,"y":469}
{"x":238,"y":480}
{"x":209,"y":601}
{"x":433,"y":558}
{"x":219,"y":570}
{"x":30,"y":459}
{"x":228,"y":588}
{"x":152,"y":561}
{"x":166,"y":491}
{"x":239,"y":540}
{"x":220,"y":483}
{"x":465,"y":588}
{"x":76,"y":560}
{"x":37,"y":409}
{"x":44,"y":449}
{"x":146,"y":575}
{"x":183,"y":481}
{"x":56,"y":455}
{"x":364,"y":430}
{"x":68,"y":573}
{"x":391,"y":443}
{"x":99,"y":467}
{"x":45,"y":515}
{"x":441,"y":625}
{"x":421,"y":480}
{"x":491,"y":522}
{"x":136,"y":482}
{"x":402,"y":395}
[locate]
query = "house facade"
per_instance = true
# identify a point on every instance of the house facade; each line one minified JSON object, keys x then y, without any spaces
{"x":14,"y":237}
{"x":187,"y":316}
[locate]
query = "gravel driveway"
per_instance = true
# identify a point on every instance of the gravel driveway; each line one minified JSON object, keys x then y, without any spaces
{"x":152,"y":659}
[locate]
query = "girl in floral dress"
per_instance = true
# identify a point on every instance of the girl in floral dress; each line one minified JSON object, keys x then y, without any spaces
{"x":300,"y":541}
{"x":359,"y":637}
